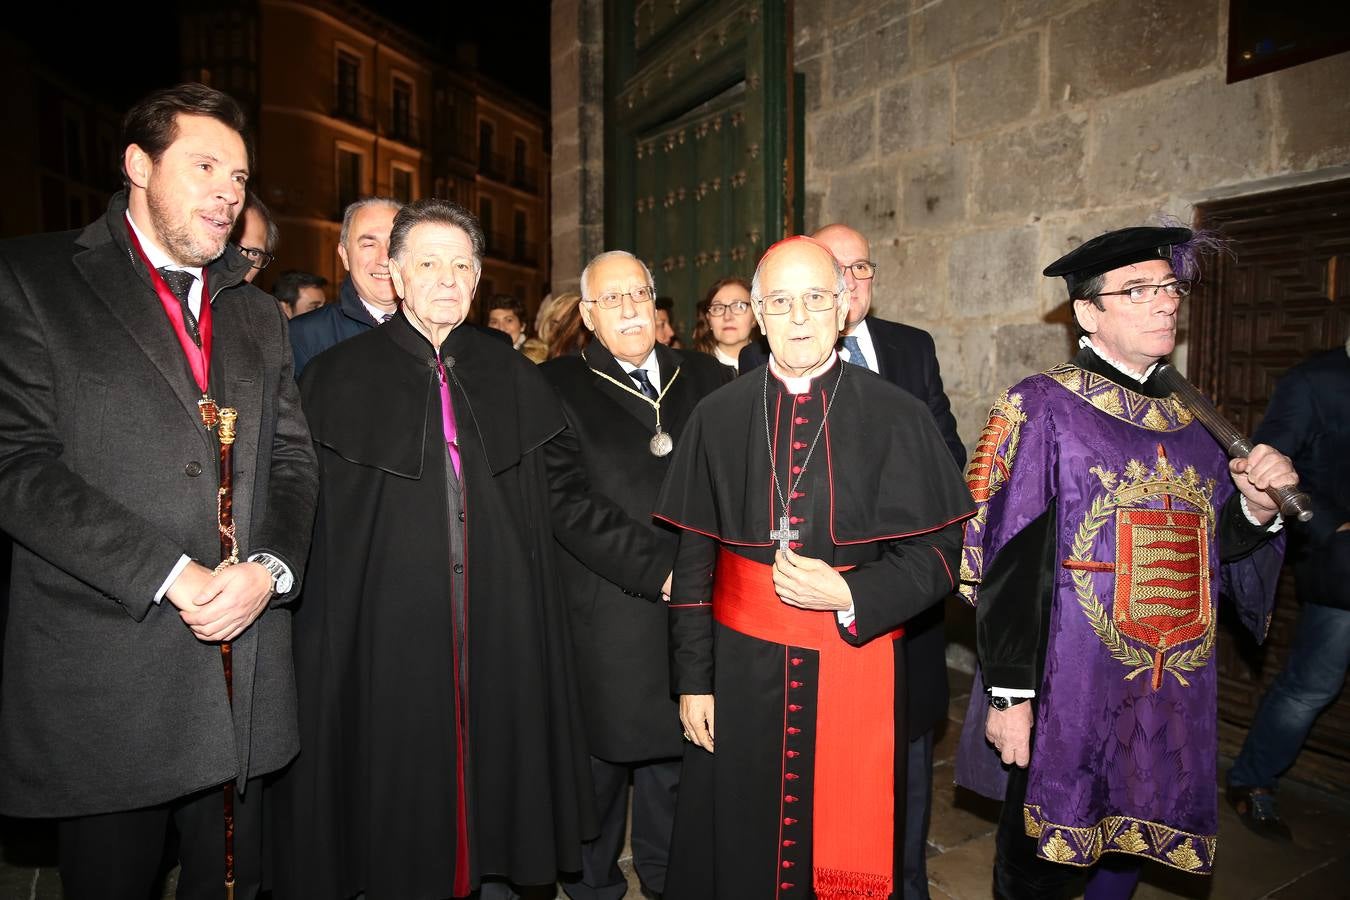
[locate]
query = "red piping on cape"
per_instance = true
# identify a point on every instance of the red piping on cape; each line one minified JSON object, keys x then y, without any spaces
{"x":950,"y":580}
{"x":782,"y":770}
{"x":829,"y":466}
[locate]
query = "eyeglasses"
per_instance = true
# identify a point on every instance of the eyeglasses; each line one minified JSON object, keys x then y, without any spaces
{"x":735,"y":308}
{"x":862,"y":270}
{"x":257,"y":257}
{"x":614,"y":299}
{"x":1143,"y":293}
{"x":815,"y":300}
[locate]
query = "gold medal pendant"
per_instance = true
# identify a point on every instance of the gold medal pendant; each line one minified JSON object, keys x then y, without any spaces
{"x":661,"y":444}
{"x":209,"y":412}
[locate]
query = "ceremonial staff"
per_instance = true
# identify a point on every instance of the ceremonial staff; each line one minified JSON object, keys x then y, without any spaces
{"x":1294,"y":504}
{"x":229,"y":553}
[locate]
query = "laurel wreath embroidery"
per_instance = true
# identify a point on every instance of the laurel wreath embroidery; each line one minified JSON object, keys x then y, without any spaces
{"x":1138,"y":659}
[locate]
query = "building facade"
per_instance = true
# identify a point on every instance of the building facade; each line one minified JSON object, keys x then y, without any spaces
{"x":347,"y":105}
{"x":58,"y":170}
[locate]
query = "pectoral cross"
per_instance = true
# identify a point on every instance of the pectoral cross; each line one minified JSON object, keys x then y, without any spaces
{"x":782,"y":535}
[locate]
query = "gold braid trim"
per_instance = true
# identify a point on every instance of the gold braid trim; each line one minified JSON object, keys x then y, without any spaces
{"x":1084,"y":846}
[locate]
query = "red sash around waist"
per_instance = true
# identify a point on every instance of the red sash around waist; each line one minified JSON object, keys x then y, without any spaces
{"x":854,"y":809}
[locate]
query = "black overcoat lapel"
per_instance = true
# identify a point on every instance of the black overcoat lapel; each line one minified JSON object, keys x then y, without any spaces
{"x":634,"y":405}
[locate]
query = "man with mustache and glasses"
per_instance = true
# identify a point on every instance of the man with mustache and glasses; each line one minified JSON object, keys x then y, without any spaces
{"x":121,"y":343}
{"x":1108,"y":520}
{"x":626,"y":399}
{"x":818,"y":511}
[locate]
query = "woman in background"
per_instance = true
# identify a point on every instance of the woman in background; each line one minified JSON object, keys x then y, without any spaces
{"x":725,"y":323}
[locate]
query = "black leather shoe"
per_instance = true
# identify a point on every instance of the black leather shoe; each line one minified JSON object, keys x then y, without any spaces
{"x":1257,"y":810}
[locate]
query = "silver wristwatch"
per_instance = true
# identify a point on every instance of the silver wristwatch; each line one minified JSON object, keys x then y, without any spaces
{"x":282,"y":580}
{"x":1000,"y":702}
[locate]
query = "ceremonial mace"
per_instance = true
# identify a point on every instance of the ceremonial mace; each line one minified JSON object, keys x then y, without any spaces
{"x":1294,"y":504}
{"x":229,"y":552}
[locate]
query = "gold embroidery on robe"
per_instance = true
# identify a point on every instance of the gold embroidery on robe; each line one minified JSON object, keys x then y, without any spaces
{"x":1162,"y":415}
{"x":1161,"y":597}
{"x":1083,"y":846}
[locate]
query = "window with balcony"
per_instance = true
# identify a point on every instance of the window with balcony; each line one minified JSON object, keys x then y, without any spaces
{"x":519,"y":167}
{"x":486,"y":157}
{"x":349,"y":186}
{"x":521,"y":249}
{"x":400,"y":109}
{"x":348,"y":85}
{"x":485,"y":220}
{"x":403,"y":184}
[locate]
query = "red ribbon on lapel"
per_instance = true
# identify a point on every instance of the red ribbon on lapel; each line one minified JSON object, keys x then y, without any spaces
{"x":198,"y":358}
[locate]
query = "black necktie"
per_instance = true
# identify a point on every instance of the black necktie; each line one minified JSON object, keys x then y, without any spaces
{"x":386,"y":317}
{"x":180,"y":283}
{"x":644,"y":383}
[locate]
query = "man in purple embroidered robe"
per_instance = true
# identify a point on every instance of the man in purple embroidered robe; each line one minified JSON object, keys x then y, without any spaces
{"x":1109,"y":521}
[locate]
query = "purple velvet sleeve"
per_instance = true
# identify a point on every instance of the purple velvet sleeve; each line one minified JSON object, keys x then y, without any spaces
{"x":1250,"y":583}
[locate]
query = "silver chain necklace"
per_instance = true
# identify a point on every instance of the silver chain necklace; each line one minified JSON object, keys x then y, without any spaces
{"x":782,"y":534}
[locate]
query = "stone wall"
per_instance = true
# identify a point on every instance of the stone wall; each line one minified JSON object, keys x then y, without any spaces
{"x":578,"y":163}
{"x":975,"y":141}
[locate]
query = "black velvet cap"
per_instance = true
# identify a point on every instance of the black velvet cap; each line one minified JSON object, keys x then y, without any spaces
{"x":1113,"y":250}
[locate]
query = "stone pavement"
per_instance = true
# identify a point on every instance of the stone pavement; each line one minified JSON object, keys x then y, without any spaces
{"x":961,"y":846}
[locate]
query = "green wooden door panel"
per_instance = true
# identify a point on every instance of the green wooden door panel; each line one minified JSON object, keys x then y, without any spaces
{"x":696,"y":136}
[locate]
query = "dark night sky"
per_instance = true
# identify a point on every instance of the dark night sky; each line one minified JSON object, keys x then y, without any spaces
{"x":109,"y":55}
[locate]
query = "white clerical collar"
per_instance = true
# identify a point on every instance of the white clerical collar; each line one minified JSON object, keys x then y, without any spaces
{"x":1085,"y":341}
{"x":800,"y":384}
{"x":649,"y":364}
{"x":724,"y":359}
{"x":158,"y":256}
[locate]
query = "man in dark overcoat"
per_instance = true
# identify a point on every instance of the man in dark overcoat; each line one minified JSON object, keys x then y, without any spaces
{"x":117,"y":342}
{"x":626,"y":398}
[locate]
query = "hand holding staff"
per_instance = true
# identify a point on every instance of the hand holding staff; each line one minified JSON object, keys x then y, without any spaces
{"x":1292,"y":503}
{"x":229,"y":553}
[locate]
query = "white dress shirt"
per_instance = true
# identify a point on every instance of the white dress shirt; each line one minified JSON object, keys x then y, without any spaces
{"x":160,"y":259}
{"x":865,"y":344}
{"x":652,"y":368}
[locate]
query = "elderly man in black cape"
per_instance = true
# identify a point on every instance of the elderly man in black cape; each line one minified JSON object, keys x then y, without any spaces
{"x":819,"y":511}
{"x":442,"y":745}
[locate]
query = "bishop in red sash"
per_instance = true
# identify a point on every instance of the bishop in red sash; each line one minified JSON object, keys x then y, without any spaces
{"x":819,"y":510}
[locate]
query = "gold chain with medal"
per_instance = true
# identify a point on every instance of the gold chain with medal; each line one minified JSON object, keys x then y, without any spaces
{"x":661,"y":443}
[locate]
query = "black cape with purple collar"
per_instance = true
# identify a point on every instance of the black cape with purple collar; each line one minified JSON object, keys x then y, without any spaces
{"x":370,"y":804}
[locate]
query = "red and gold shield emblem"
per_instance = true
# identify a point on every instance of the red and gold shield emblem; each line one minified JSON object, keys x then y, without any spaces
{"x":1162,"y":594}
{"x":1161,"y":575}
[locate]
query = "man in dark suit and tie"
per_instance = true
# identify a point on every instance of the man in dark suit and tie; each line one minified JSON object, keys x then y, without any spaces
{"x":626,"y":399}
{"x":120,"y":343}
{"x":906,"y":357}
{"x":366,"y":296}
